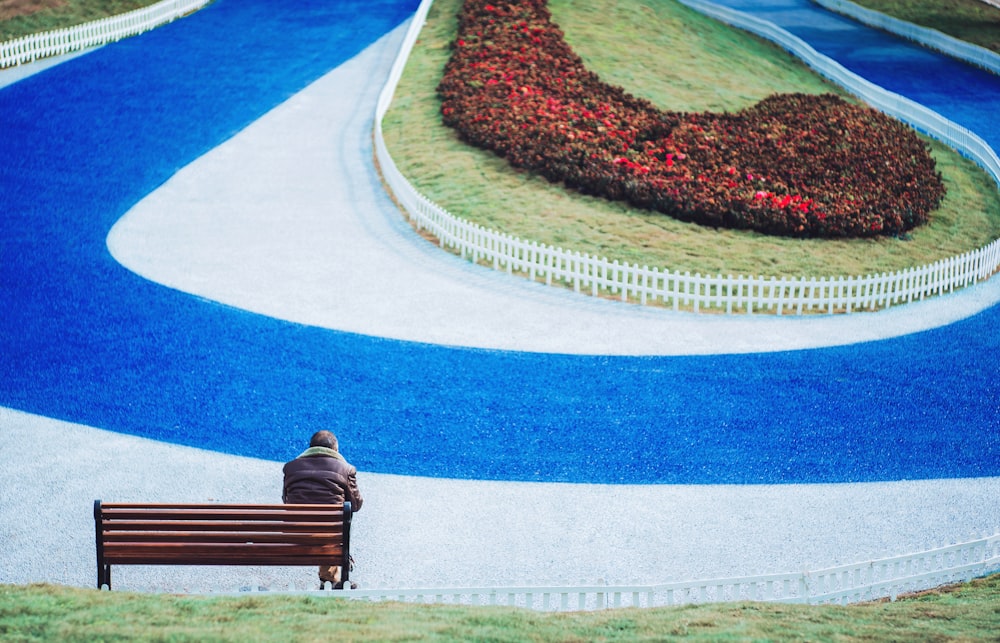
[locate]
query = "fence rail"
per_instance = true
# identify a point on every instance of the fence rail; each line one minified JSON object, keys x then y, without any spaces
{"x":886,"y":578}
{"x":974,"y":54}
{"x":91,"y":34}
{"x":629,"y":282}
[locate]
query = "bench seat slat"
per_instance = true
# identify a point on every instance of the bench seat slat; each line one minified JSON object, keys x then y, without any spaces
{"x":258,"y":561}
{"x":155,"y":506}
{"x":184,"y":525}
{"x":249,"y":552}
{"x":218,"y":537}
{"x":210,"y":514}
{"x":224,"y":558}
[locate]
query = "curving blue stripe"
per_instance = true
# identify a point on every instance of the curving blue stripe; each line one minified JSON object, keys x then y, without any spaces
{"x":83,"y":339}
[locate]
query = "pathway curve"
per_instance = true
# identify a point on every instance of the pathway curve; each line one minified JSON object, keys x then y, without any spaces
{"x":620,"y":533}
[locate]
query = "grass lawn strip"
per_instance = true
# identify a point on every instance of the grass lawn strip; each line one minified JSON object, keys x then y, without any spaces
{"x":701,"y":65}
{"x":964,"y":612}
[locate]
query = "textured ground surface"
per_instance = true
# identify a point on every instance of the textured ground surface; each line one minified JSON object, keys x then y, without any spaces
{"x":286,"y":219}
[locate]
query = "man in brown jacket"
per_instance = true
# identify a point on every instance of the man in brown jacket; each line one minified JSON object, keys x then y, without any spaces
{"x":320,"y":475}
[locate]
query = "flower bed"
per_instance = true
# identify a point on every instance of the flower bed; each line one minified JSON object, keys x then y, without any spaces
{"x":794,"y":164}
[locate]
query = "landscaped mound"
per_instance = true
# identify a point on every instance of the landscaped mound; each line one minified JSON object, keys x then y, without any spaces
{"x":794,"y":164}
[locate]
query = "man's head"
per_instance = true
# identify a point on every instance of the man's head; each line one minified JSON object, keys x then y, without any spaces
{"x":323,"y":439}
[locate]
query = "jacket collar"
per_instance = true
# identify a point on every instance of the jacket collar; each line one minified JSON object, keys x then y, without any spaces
{"x":321,"y":451}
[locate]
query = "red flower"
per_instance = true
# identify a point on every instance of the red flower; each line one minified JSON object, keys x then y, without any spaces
{"x":579,"y":130}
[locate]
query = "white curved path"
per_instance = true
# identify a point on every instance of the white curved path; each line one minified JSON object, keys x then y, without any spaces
{"x":288,"y":219}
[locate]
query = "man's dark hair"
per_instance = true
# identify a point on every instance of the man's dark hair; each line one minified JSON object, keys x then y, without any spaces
{"x":323,"y":439}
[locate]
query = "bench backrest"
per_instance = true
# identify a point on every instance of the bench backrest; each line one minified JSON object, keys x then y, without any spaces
{"x":217,"y":534}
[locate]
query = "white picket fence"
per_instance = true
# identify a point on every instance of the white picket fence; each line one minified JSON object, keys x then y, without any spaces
{"x":92,"y":34}
{"x":599,"y":276}
{"x":878,"y":579}
{"x":930,"y":38}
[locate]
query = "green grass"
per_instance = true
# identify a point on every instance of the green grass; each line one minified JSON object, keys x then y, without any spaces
{"x":681,"y":61}
{"x":969,"y":20}
{"x":56,"y":14}
{"x":967,"y":612}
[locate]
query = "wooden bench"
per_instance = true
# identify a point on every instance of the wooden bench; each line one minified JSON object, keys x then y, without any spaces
{"x":218,"y":534}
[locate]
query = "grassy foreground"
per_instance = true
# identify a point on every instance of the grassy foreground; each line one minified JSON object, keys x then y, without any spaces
{"x":966,"y":612}
{"x":680,"y":61}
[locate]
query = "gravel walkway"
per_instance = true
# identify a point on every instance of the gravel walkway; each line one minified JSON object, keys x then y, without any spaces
{"x":424,"y":532}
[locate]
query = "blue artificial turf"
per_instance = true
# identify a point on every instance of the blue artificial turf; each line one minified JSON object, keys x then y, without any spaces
{"x":83,"y":339}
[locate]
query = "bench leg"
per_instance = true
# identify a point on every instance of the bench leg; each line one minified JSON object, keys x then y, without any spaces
{"x":104,"y":576}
